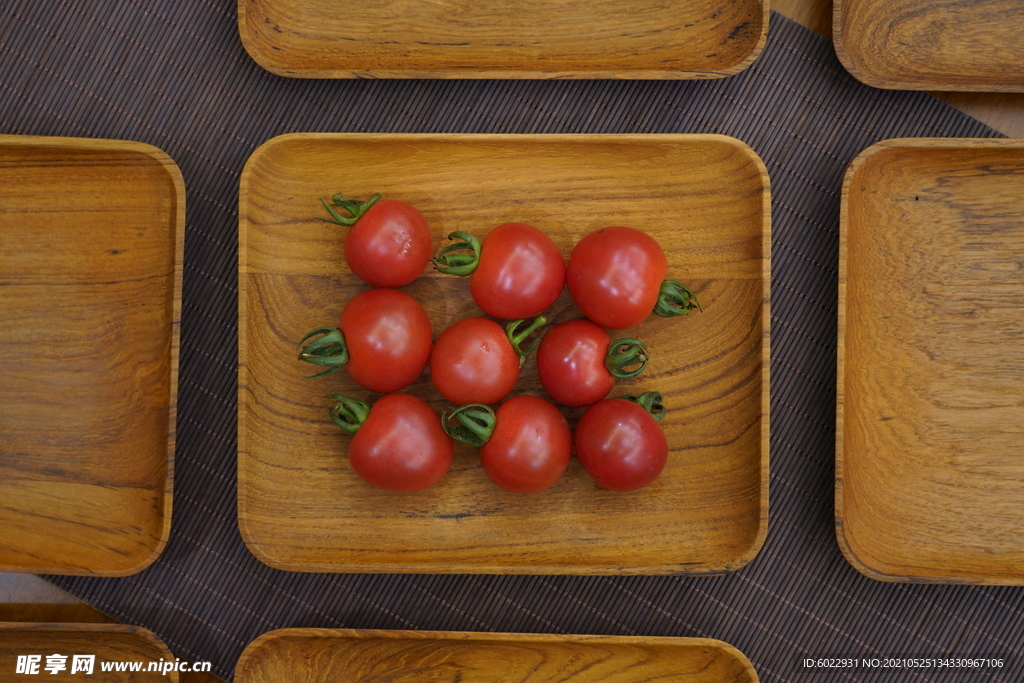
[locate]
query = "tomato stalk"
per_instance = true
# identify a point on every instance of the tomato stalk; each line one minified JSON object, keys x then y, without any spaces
{"x":651,"y":402}
{"x":348,"y":413}
{"x":354,"y":207}
{"x":329,"y":351}
{"x":675,"y":298}
{"x":453,"y":259}
{"x":624,"y":354}
{"x":476,"y":424}
{"x":516,"y":339}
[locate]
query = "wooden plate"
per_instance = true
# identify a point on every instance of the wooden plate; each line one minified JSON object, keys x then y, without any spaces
{"x":706,"y":199}
{"x":498,"y":39}
{"x":930,"y":427}
{"x":91,"y":235}
{"x":107,"y":642}
{"x":925,"y":45}
{"x":313,"y":655}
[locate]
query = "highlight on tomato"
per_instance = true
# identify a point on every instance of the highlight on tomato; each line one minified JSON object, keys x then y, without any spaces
{"x":620,"y":443}
{"x":578,"y":363}
{"x":383,"y":339}
{"x":398,"y":444}
{"x":516,"y":272}
{"x":475,"y":360}
{"x":616,"y":276}
{"x":388,"y":243}
{"x":525,"y":445}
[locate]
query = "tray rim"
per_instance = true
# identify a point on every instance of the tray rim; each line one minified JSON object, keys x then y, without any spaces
{"x":100,"y":145}
{"x":261,"y":641}
{"x":759,"y":538}
{"x":861,"y":565}
{"x":265,"y":62}
{"x":848,"y":59}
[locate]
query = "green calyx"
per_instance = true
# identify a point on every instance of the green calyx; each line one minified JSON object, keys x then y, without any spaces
{"x":516,"y":339}
{"x":354,"y":207}
{"x":651,"y":402}
{"x":675,"y":298}
{"x":460,"y":258}
{"x":475,"y":424}
{"x":348,"y":413}
{"x":329,"y":350}
{"x":626,"y":358}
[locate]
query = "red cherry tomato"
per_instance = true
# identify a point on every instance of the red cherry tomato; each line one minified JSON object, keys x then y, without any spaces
{"x":521,"y":272}
{"x":398,"y":444}
{"x":530,"y":446}
{"x":578,"y":363}
{"x":621,"y":445}
{"x":614,"y":276}
{"x":389,"y":242}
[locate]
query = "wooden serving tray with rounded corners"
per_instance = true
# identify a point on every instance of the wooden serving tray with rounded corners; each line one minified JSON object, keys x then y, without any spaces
{"x":704,"y":197}
{"x":107,"y":642}
{"x":925,"y":45}
{"x":314,"y":655}
{"x":930,"y":424}
{"x":91,"y":240}
{"x":685,"y":39}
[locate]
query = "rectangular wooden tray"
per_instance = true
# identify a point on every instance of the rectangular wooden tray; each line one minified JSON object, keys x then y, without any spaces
{"x":91,"y":238}
{"x":314,"y":655}
{"x":507,"y":39}
{"x":930,"y":425}
{"x":704,"y":197}
{"x":924,"y":45}
{"x":107,"y":642}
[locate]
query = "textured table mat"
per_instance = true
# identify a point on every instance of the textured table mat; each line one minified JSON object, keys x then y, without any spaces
{"x":174,"y":74}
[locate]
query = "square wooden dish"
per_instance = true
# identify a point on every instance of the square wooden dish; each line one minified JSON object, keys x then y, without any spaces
{"x":91,"y":238}
{"x":930,"y":425}
{"x":704,"y":197}
{"x":924,"y":45}
{"x":504,"y":39}
{"x":314,"y":655}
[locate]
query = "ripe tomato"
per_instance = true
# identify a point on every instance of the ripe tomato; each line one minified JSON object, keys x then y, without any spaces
{"x":389,"y":242}
{"x":398,"y":444}
{"x":578,"y":362}
{"x":476,"y":361}
{"x":383,"y":338}
{"x":518,"y":271}
{"x":620,"y":444}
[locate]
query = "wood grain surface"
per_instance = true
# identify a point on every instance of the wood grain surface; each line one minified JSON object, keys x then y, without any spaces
{"x":315,"y":655}
{"x":511,"y":39}
{"x":107,"y":642}
{"x":930,"y":427}
{"x":705,"y":198}
{"x":91,"y":238}
{"x":932,"y":44}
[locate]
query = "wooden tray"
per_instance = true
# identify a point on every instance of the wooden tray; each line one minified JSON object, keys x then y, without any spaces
{"x":498,"y":39}
{"x":705,"y":197}
{"x":91,"y":235}
{"x":313,"y":655}
{"x":107,"y":642}
{"x":930,"y":427}
{"x":925,"y":45}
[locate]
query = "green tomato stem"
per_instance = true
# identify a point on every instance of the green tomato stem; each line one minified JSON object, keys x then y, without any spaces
{"x":624,"y":354}
{"x":354,"y":207}
{"x":675,"y":298}
{"x":476,"y":424}
{"x":453,"y":259}
{"x":516,"y":339}
{"x":348,"y":413}
{"x":329,"y":350}
{"x":651,"y":402}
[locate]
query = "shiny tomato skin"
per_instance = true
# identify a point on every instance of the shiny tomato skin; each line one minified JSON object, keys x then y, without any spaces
{"x":388,"y":336}
{"x":473,"y":362}
{"x":614,"y":276}
{"x":570,"y":363}
{"x":390,"y":245}
{"x":401,"y":446}
{"x":530,"y":447}
{"x":520,"y":274}
{"x":620,"y":445}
